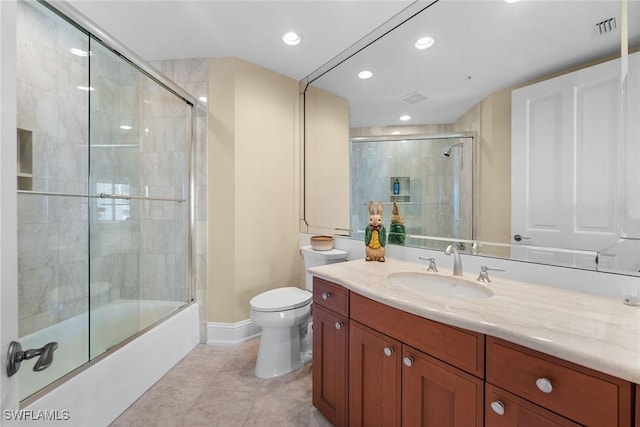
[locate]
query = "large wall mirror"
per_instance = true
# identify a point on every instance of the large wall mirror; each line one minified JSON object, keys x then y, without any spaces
{"x":548,"y":93}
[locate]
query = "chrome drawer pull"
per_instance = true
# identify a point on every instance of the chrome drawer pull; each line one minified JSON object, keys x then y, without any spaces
{"x":498,"y":407}
{"x":408,"y":361}
{"x":544,"y":385}
{"x":388,"y":351}
{"x":326,"y":295}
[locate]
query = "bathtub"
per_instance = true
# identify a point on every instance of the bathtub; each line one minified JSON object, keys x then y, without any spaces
{"x":98,"y":394}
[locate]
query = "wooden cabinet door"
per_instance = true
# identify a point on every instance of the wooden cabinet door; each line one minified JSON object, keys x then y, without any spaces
{"x":503,"y":409}
{"x":330,"y":356}
{"x":435,"y":394}
{"x":637,"y":405}
{"x":374,"y":378}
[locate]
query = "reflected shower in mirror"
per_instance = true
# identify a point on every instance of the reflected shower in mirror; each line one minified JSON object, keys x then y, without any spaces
{"x":428,"y":177}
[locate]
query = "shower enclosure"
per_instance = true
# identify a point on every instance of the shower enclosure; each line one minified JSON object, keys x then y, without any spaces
{"x":429,"y":177}
{"x":104,"y":153}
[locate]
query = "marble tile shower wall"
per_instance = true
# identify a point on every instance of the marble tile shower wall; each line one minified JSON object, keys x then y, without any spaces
{"x":52,"y":245}
{"x":431,"y":184}
{"x":114,"y":163}
{"x":193,"y":76}
{"x":138,"y":249}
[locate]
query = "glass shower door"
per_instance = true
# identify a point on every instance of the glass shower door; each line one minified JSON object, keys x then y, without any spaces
{"x":103,"y":192}
{"x":139,"y":205}
{"x":52,"y":137}
{"x":114,"y":159}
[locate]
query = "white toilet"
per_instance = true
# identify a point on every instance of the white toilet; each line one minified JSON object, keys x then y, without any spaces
{"x":285,"y":317}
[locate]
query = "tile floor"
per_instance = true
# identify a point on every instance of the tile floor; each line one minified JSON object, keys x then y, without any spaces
{"x":215,"y":386}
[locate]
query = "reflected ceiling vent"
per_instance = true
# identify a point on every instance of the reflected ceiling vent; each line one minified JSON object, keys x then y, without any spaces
{"x":606,"y":26}
{"x":414,"y":98}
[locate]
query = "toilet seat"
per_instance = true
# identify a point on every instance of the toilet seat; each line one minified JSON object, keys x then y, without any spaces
{"x":281,"y":299}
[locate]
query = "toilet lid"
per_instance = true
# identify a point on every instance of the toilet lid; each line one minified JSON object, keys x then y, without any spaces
{"x":281,"y":299}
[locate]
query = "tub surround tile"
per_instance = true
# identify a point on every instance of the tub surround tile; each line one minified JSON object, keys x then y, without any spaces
{"x":597,"y":332}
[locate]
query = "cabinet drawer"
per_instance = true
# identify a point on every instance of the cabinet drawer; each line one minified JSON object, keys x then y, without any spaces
{"x":581,"y":394}
{"x":458,"y":347}
{"x":330,"y":295}
{"x":503,"y":409}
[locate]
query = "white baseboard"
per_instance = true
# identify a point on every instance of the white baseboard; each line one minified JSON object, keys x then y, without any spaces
{"x":230,"y":334}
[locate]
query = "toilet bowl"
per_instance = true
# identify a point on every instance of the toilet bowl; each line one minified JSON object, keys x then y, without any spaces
{"x":284,"y":314}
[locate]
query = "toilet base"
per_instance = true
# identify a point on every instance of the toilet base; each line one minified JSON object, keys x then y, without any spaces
{"x":280,"y":352}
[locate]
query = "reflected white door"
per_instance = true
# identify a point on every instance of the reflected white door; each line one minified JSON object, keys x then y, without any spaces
{"x":566,"y":165}
{"x":631,"y":149}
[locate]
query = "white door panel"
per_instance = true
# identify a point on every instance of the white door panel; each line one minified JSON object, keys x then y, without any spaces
{"x":565,"y":156}
{"x":631,"y":150}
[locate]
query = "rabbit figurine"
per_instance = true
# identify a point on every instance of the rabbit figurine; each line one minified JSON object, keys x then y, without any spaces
{"x":397,"y":232}
{"x":375,"y":235}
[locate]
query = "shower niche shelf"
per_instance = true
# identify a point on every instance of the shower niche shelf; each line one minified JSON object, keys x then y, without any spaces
{"x":25,"y":159}
{"x":399,"y":188}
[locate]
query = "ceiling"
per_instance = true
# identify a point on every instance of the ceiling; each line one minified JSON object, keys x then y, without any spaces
{"x":250,"y":30}
{"x":481,"y":45}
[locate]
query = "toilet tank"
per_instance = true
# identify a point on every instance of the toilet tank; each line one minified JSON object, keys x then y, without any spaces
{"x":314,"y":258}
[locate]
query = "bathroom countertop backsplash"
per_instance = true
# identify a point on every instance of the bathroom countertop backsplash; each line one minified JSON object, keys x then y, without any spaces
{"x":593,"y":331}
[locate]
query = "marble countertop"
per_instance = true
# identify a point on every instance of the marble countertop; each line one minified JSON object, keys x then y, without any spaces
{"x":597,"y":332}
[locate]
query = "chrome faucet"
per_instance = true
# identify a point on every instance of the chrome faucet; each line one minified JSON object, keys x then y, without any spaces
{"x":432,"y":264}
{"x":457,"y":262}
{"x":484,"y":274}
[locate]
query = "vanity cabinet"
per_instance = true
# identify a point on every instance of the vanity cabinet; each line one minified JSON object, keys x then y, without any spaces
{"x":394,"y":368}
{"x":580,"y":394}
{"x":394,"y":378}
{"x":330,"y":350}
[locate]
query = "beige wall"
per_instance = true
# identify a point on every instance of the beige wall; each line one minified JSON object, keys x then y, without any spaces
{"x":326,"y":166}
{"x":253,"y":191}
{"x":494,"y":164}
{"x":491,"y":119}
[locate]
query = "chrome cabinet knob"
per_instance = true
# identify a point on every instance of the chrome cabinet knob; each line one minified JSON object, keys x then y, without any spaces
{"x":544,"y":385}
{"x":388,"y":351}
{"x":339,"y":325}
{"x":326,"y":295}
{"x":498,"y":407}
{"x":408,"y":361}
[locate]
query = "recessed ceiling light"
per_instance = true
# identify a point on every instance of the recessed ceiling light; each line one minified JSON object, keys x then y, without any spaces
{"x":291,"y":38}
{"x":424,"y":43}
{"x":405,"y":118}
{"x":86,"y":88}
{"x":395,"y":132}
{"x":203,"y":99}
{"x":79,"y":52}
{"x":511,"y":1}
{"x":365,"y":74}
{"x":125,"y":127}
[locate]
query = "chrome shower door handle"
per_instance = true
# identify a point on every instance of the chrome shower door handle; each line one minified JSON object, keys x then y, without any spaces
{"x":15,"y":356}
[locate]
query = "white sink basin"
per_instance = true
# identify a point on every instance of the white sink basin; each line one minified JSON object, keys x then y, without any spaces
{"x":439,"y":286}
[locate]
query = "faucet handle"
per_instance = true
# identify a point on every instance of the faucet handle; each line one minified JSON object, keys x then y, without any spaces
{"x":432,"y":264}
{"x":484,"y":275}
